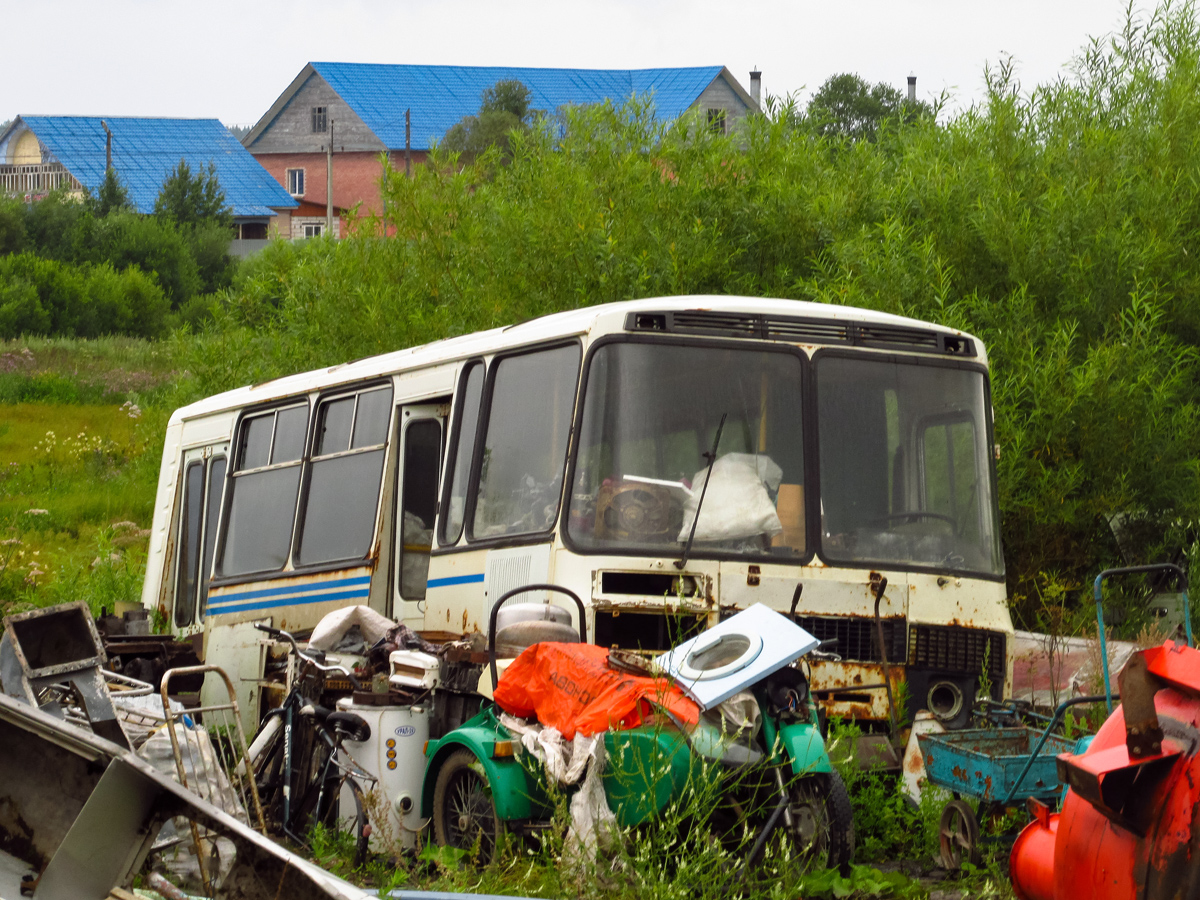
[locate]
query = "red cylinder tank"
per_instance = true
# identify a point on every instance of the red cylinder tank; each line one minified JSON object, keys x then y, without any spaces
{"x":1126,"y":826}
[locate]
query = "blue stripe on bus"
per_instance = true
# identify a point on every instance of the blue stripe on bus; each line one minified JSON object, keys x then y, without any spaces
{"x":290,"y":601}
{"x":308,"y":588}
{"x":454,"y":579}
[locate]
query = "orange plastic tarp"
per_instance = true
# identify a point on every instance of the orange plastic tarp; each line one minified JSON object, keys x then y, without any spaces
{"x":571,"y":687}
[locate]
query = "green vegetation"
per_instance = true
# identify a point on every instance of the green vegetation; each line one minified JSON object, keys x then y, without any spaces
{"x":504,"y":109}
{"x":79,"y":445}
{"x":847,"y":106}
{"x":95,"y":267}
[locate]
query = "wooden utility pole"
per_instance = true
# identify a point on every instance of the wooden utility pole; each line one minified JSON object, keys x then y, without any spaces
{"x":107,"y":146}
{"x":329,"y":183}
{"x":408,"y":143}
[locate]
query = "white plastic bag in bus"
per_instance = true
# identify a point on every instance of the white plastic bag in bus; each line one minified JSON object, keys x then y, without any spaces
{"x":736,"y":504}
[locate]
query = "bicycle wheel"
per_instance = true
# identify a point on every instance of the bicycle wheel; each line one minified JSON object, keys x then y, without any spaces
{"x":357,"y":823}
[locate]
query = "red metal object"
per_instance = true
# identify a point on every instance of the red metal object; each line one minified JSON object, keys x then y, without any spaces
{"x":1126,"y":826}
{"x":1031,"y":865}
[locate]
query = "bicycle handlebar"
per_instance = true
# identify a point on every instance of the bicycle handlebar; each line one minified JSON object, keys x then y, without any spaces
{"x":308,"y":657}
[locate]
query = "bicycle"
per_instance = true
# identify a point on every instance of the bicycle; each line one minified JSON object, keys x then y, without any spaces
{"x":301,"y":772}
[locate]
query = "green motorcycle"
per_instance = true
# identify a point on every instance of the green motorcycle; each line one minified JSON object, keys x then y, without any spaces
{"x":478,"y":787}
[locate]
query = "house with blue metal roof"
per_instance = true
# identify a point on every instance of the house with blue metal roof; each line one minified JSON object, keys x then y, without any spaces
{"x":336,"y":120}
{"x":41,"y":153}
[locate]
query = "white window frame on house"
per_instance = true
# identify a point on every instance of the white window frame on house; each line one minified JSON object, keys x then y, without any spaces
{"x":320,"y":119}
{"x":295,"y":182}
{"x":313,"y":229}
{"x":718,"y":120}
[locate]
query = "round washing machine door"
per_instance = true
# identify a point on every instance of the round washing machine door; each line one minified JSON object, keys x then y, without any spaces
{"x":717,"y":655}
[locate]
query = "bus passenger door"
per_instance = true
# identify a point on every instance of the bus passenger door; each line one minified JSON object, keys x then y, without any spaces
{"x":422,"y":435}
{"x":203,"y":482}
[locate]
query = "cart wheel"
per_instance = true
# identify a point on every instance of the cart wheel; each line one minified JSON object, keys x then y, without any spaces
{"x":464,"y":815}
{"x":958,"y":835}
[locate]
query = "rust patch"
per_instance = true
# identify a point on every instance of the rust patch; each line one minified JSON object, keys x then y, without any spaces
{"x":913,"y":763}
{"x":465,"y":619}
{"x":959,"y":772}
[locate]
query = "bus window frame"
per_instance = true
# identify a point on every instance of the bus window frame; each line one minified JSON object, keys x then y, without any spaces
{"x":453,"y":437}
{"x":206,"y":579}
{"x":398,"y":495}
{"x":810,"y":472}
{"x":330,"y":395}
{"x":485,"y":412}
{"x":989,"y":435}
{"x":312,"y":399}
{"x":201,"y":463}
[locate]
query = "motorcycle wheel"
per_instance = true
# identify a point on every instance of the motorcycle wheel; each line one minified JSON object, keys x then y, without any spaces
{"x":822,"y":821}
{"x":464,"y":815}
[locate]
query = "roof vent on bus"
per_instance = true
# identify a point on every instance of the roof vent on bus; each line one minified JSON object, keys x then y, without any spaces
{"x":955,"y":345}
{"x":649,"y":322}
{"x":801,"y":329}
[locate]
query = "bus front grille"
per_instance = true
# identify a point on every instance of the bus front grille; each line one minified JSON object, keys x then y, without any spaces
{"x":856,"y":636}
{"x":952,"y":648}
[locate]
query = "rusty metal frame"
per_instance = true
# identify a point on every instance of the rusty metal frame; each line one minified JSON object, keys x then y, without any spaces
{"x":246,"y":770}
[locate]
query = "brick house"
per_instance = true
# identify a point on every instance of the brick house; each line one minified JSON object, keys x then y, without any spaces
{"x":361,"y":108}
{"x":43,"y":153}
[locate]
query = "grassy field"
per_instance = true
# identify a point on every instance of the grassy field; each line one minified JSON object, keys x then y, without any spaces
{"x":80,"y":437}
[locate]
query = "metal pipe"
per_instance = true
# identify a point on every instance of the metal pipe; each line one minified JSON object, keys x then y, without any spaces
{"x":879,"y":586}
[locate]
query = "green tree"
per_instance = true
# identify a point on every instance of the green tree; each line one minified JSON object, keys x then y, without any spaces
{"x":846,"y":105}
{"x":187,"y":199}
{"x":51,"y":225}
{"x":504,"y":108}
{"x":12,"y":225}
{"x":110,"y":196}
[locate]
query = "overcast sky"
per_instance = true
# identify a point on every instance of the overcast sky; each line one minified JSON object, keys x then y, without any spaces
{"x":231,"y":60}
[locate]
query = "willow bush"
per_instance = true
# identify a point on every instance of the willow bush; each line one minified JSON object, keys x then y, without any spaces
{"x":1058,"y":224}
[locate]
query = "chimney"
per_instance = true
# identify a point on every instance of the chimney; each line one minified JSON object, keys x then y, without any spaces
{"x":756,"y":87}
{"x":912,"y":88}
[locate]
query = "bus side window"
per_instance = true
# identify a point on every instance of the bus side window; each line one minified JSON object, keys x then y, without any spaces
{"x":263,"y":489}
{"x":190,"y":530}
{"x":525,"y":442}
{"x":467,"y":419}
{"x":212,"y":511}
{"x":419,"y":480}
{"x":337,"y":521}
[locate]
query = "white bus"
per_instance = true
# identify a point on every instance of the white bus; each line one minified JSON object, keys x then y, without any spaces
{"x":850,"y":446}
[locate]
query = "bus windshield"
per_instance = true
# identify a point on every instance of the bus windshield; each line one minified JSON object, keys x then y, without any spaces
{"x":905,"y":472}
{"x":650,"y":414}
{"x":905,"y":477}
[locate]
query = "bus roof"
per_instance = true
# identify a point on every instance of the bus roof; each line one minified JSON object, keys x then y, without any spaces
{"x":561,"y":324}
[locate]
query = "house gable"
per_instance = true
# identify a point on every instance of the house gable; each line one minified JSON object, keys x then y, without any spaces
{"x":288,"y":125}
{"x":725,"y":95}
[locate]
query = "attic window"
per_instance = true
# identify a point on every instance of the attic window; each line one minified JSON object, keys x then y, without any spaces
{"x":320,"y":122}
{"x":716,"y":121}
{"x":295,"y":182}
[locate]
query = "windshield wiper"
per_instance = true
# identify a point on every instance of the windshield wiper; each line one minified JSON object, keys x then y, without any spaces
{"x":712,"y":458}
